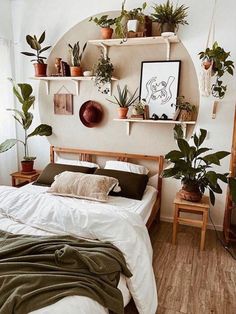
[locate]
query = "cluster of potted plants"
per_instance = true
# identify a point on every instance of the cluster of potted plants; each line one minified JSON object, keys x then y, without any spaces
{"x":184,"y":109}
{"x":169,"y":16}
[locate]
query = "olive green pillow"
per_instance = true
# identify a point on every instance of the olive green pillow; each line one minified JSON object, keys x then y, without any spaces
{"x":47,"y":176}
{"x":132,"y":185}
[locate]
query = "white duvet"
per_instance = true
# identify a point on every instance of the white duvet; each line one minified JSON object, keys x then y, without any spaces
{"x":45,"y":213}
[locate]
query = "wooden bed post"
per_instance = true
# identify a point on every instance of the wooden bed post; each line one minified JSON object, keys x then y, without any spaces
{"x":52,"y":154}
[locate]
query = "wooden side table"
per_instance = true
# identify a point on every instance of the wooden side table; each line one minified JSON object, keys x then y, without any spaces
{"x":191,"y":207}
{"x":19,"y":179}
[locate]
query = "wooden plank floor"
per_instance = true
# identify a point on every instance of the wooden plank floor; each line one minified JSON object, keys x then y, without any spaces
{"x":190,"y":281}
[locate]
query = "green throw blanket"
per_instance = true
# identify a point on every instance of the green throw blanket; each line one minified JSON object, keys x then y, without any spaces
{"x":39,"y":271}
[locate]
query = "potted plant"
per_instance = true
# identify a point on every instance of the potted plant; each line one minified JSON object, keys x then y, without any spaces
{"x":184,"y":109}
{"x":103,"y":71}
{"x":23,"y":92}
{"x":169,"y":16}
{"x":134,"y":17}
{"x":76,"y":57}
{"x":40,"y":67}
{"x":105,"y":23}
{"x":124,"y":100}
{"x":138,"y":108}
{"x":219,"y":59}
{"x":195,"y":169}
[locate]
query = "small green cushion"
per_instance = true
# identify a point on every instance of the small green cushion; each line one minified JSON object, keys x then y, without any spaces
{"x":132,"y":185}
{"x":47,"y":176}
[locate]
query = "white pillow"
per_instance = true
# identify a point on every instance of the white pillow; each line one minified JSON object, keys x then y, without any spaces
{"x":85,"y":186}
{"x":65,"y":161}
{"x":126,"y":166}
{"x":153,"y":181}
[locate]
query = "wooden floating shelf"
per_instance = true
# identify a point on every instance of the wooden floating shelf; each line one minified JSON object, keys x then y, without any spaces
{"x":75,"y":79}
{"x":130,"y":121}
{"x":119,"y":42}
{"x":134,"y":41}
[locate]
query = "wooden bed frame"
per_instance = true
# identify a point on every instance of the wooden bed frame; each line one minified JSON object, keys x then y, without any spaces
{"x":90,"y":155}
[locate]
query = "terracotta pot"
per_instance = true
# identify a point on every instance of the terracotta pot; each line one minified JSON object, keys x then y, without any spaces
{"x":76,"y":71}
{"x":167,"y":28}
{"x":106,"y":32}
{"x":185,"y":115}
{"x":190,"y":192}
{"x":122,"y":112}
{"x":206,"y":64}
{"x":27,"y":165}
{"x":40,"y":69}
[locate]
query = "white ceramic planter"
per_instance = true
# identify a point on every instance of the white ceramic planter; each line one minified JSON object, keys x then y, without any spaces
{"x":132,"y":25}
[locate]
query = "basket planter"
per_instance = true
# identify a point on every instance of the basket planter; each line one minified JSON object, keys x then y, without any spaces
{"x":185,"y":115}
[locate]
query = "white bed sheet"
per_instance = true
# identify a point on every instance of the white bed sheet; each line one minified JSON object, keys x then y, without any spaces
{"x":86,"y":305}
{"x":143,"y":207}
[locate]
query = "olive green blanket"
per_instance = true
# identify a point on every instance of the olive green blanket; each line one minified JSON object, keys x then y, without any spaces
{"x":38,"y":271}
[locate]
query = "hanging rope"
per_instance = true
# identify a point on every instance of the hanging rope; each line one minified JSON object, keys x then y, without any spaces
{"x":206,"y":71}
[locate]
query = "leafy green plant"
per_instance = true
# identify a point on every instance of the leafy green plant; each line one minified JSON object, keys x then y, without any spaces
{"x":103,"y":21}
{"x":35,"y":44}
{"x":103,"y":70}
{"x":168,"y":13}
{"x":195,"y":169}
{"x":23,"y":92}
{"x":221,"y":64}
{"x":134,"y":14}
{"x":182,"y":104}
{"x":125,"y":98}
{"x":76,"y":56}
{"x":139,"y":107}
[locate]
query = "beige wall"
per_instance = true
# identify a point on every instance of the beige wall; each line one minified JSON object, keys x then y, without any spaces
{"x":57,"y":19}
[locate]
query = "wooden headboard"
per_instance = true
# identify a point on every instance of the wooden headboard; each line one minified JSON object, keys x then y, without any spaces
{"x":91,"y":155}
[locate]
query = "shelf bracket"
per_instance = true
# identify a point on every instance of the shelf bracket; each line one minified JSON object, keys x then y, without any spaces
{"x":167,"y":48}
{"x":77,"y":85}
{"x":128,"y":127}
{"x":105,"y":50}
{"x":47,"y":85}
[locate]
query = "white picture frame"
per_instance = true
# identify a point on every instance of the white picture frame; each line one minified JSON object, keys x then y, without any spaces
{"x":159,"y":87}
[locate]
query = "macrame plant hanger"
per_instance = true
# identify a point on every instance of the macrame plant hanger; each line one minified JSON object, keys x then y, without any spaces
{"x":207,"y":72}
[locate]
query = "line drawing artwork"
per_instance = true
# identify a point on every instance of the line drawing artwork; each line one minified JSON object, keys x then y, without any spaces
{"x":159,"y":90}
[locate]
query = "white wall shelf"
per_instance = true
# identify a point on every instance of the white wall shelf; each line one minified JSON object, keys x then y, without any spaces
{"x":129,"y":122}
{"x":75,"y":79}
{"x":119,"y":42}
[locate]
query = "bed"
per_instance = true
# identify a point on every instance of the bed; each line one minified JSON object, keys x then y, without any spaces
{"x":31,"y":210}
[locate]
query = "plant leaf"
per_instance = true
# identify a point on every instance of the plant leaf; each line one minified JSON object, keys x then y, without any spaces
{"x":41,"y":130}
{"x":212,"y":197}
{"x":42,"y":38}
{"x":8,"y":144}
{"x":183,"y":146}
{"x":203,"y":134}
{"x":174,"y":155}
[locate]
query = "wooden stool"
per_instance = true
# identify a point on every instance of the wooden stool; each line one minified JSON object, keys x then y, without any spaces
{"x":191,"y":207}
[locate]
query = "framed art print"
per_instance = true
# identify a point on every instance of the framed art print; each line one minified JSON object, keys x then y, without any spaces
{"x":159,"y":86}
{"x":63,"y":104}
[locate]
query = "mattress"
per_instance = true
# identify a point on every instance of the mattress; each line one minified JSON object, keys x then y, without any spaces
{"x":143,"y":207}
{"x":86,"y":305}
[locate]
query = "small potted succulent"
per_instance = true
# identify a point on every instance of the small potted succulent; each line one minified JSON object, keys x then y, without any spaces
{"x":103,"y":71}
{"x":138,"y":108}
{"x":76,"y":57}
{"x":169,"y":16}
{"x":124,"y":101}
{"x":40,"y":67}
{"x":193,"y":167}
{"x":105,"y":23}
{"x":184,"y":109}
{"x":23,"y":92}
{"x":218,"y":58}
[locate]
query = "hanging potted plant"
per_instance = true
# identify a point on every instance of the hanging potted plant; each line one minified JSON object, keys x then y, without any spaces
{"x":103,"y":71}
{"x":105,"y":23}
{"x":40,"y":67}
{"x":169,"y":16}
{"x":135,"y":17}
{"x":124,"y":101}
{"x":195,"y":169}
{"x":23,"y":92}
{"x":184,"y":109}
{"x":76,"y":58}
{"x":218,"y":59}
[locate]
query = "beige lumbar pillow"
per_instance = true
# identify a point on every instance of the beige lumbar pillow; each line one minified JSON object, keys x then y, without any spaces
{"x":86,"y":186}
